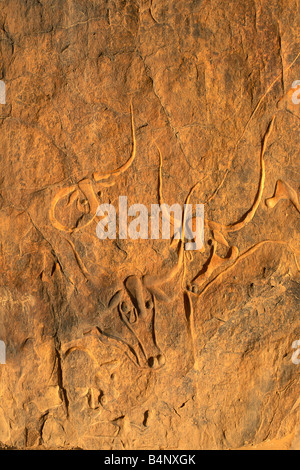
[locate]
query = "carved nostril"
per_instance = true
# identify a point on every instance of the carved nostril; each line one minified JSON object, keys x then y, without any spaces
{"x":152,"y":362}
{"x":149,"y":304}
{"x":156,"y":361}
{"x":161,"y":360}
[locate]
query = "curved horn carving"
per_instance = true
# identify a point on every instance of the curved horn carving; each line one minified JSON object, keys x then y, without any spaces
{"x":86,"y":187}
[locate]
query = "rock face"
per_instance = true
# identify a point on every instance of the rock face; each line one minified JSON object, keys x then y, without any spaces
{"x":139,"y":344}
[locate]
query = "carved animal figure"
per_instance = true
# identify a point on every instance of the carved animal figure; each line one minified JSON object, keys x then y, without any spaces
{"x":129,"y":316}
{"x":131,"y":321}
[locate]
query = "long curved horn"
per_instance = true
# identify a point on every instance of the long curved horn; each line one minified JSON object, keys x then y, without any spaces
{"x":250,"y":214}
{"x":86,"y":187}
{"x":98,"y":177}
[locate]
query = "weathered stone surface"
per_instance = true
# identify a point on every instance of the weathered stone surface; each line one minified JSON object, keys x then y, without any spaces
{"x":211,"y":89}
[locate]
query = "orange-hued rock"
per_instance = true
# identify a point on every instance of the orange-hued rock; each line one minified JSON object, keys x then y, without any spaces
{"x":139,"y":344}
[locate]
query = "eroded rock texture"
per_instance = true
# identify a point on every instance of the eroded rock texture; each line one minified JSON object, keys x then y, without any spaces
{"x":136,"y":344}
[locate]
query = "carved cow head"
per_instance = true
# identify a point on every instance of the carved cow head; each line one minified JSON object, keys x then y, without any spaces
{"x":127,"y":316}
{"x":130,"y":320}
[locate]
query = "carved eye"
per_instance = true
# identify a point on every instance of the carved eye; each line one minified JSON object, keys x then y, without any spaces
{"x":132,"y":318}
{"x":125,"y":307}
{"x":83,"y":205}
{"x":128,"y":312}
{"x":149,"y":304}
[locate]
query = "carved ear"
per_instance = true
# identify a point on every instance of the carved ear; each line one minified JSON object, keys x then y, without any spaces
{"x":283,"y":191}
{"x":115,"y":300}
